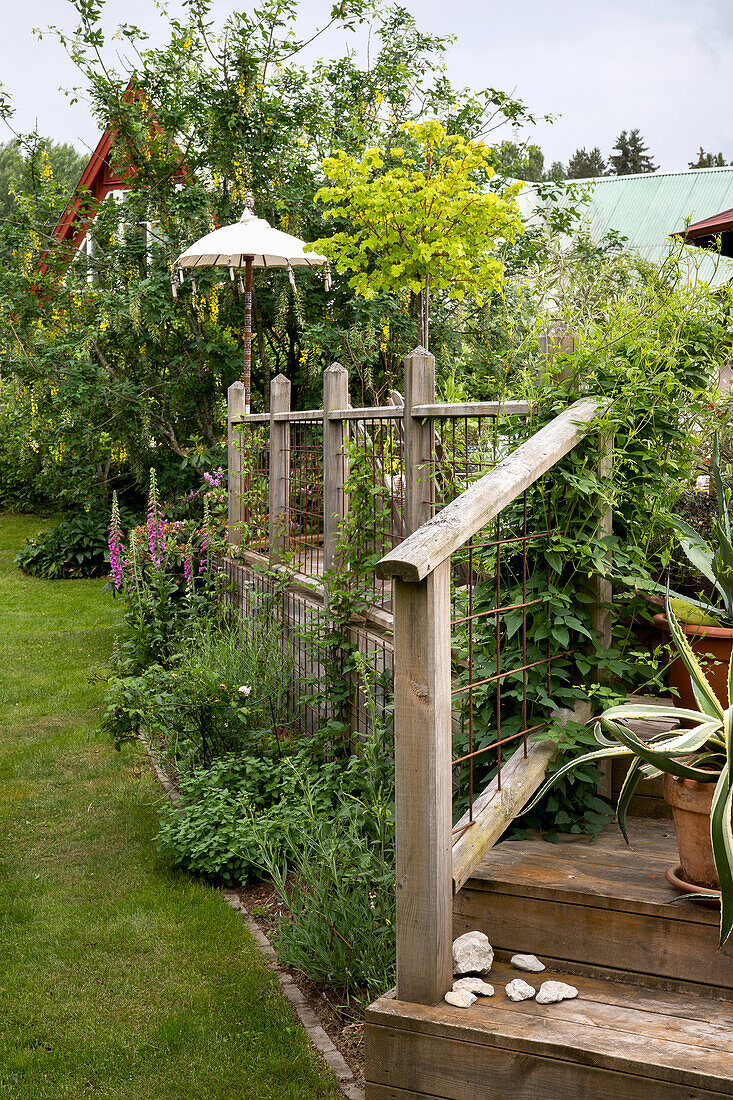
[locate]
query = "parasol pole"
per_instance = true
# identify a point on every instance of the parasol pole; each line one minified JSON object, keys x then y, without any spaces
{"x":247,"y":373}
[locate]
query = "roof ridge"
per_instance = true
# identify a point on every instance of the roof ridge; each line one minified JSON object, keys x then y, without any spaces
{"x":651,"y":175}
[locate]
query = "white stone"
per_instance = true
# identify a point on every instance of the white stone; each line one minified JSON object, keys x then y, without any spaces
{"x":472,"y":953}
{"x":519,"y":990}
{"x":527,"y":962}
{"x":461,"y":998}
{"x":474,"y":985}
{"x":555,"y":991}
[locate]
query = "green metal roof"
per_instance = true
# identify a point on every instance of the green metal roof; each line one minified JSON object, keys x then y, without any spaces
{"x":647,"y":208}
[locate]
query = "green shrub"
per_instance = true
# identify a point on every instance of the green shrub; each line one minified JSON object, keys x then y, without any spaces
{"x":76,"y":547}
{"x":210,"y":832}
{"x":333,"y":868}
{"x":221,"y":687}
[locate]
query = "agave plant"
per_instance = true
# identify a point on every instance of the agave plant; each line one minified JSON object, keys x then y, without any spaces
{"x":715,"y":564}
{"x":703,"y":752}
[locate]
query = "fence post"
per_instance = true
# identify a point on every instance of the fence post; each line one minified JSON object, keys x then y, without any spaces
{"x":335,"y":459}
{"x":235,"y":410}
{"x":422,"y":686}
{"x":603,"y":590}
{"x":419,"y":474}
{"x":279,"y":527}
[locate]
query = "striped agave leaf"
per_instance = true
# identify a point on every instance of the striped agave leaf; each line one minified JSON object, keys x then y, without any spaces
{"x":702,"y":751}
{"x":704,"y":695}
{"x":721,"y":836}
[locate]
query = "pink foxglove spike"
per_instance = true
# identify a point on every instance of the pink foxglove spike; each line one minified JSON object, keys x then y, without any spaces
{"x":327,"y":277}
{"x":291,"y":276}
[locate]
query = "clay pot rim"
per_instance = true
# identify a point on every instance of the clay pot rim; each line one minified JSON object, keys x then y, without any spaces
{"x":696,"y":630}
{"x":674,"y":877}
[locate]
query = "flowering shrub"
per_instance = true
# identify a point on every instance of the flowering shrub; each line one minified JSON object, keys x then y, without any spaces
{"x":168,"y":573}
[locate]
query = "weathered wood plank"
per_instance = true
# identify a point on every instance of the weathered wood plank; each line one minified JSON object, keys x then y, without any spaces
{"x":495,"y":808}
{"x":335,"y":460}
{"x":601,"y":613}
{"x":426,"y":548}
{"x":455,"y":1069}
{"x":604,"y":872}
{"x":672,"y":1054}
{"x":636,"y":943}
{"x":377,"y":412}
{"x":279,"y":467}
{"x":315,"y":415}
{"x":423,"y":787}
{"x":472,"y":408}
{"x":252,"y":418}
{"x":418,"y":446}
{"x":235,"y":409}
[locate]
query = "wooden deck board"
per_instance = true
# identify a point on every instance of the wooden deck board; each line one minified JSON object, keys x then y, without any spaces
{"x":597,"y":905}
{"x":614,"y":875}
{"x":614,"y":1042}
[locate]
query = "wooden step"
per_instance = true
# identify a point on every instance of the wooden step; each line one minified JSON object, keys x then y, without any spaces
{"x":616,"y":1041}
{"x":598,"y":907}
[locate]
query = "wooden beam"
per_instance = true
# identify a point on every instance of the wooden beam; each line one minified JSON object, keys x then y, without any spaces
{"x":235,"y":506}
{"x":314,"y":415}
{"x":601,"y":615}
{"x":252,"y":418}
{"x":422,"y":687}
{"x":335,"y":460}
{"x":475,"y":408}
{"x":279,"y":527}
{"x":418,"y":447}
{"x":377,"y":412}
{"x":495,"y":809}
{"x":437,"y":538}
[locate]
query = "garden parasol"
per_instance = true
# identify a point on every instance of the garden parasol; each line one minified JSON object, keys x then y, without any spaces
{"x":250,"y":242}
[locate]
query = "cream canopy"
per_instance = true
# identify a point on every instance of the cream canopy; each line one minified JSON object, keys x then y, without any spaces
{"x":250,"y":242}
{"x":253,"y":239}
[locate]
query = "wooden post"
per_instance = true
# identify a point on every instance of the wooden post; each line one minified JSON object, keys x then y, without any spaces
{"x":423,"y":787}
{"x":279,"y":468}
{"x":419,"y":478}
{"x":335,"y":459}
{"x":602,"y":613}
{"x":235,"y":410}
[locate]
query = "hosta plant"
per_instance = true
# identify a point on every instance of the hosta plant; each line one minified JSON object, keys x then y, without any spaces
{"x":701,"y":751}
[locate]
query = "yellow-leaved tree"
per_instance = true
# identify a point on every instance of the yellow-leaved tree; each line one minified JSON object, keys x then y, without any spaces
{"x":419,"y":216}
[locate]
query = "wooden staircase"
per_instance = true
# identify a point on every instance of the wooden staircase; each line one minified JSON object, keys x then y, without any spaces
{"x":654,"y":1016}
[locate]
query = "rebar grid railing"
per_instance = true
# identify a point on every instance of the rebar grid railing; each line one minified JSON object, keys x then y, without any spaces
{"x":258,"y":598}
{"x":462,"y":594}
{"x":502,"y":676}
{"x":255,"y":485}
{"x":373,"y":475}
{"x":304,"y":534}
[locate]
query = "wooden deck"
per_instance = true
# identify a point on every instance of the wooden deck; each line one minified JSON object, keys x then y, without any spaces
{"x":599,"y":906}
{"x":615,"y":1042}
{"x":654,"y":1018}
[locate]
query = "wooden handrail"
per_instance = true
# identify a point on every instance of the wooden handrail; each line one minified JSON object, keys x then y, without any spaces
{"x":434,"y":542}
{"x":471,"y":409}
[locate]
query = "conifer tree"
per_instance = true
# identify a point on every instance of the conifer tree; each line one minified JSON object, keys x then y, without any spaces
{"x":630,"y":156}
{"x":586,"y":164}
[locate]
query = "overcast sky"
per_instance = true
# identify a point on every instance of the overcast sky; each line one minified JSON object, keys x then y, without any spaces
{"x":660,"y":65}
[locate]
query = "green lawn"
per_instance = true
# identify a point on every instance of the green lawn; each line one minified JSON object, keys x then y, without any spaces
{"x":118,"y":978}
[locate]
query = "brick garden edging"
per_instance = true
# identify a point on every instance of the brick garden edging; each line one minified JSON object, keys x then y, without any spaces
{"x":317,"y":1035}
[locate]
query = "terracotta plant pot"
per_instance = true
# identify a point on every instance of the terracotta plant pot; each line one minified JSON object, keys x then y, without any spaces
{"x":712,"y":645}
{"x":691,"y":802}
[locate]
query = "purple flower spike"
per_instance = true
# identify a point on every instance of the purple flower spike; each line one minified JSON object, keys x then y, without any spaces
{"x":117,"y":561}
